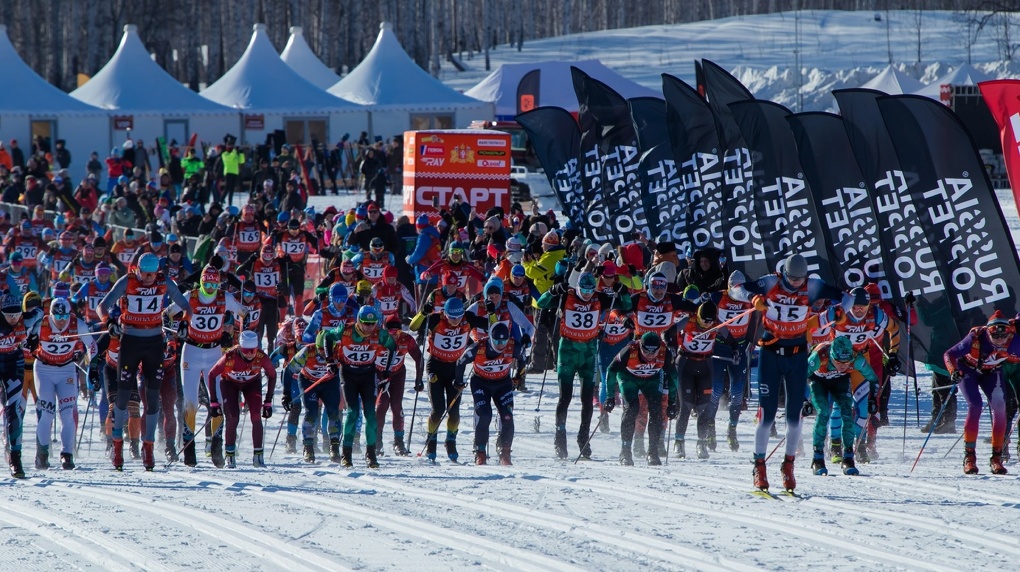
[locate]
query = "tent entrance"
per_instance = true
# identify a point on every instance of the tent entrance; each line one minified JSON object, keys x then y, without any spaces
{"x":175,"y":130}
{"x":46,"y":131}
{"x":306,"y":130}
{"x":425,"y":121}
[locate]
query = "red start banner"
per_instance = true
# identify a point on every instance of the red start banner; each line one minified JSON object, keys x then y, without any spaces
{"x":443,"y":167}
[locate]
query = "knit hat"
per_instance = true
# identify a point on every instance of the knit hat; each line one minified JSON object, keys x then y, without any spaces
{"x":551,"y":238}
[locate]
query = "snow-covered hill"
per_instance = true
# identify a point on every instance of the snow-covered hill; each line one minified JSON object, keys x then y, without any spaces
{"x":837,"y":50}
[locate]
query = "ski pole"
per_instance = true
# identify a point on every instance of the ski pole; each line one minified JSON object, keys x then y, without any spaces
{"x":541,"y":390}
{"x":938,"y":418}
{"x":84,"y":421}
{"x":445,"y":413}
{"x":957,"y":442}
{"x":278,"y":432}
{"x":724,"y":324}
{"x":778,"y":445}
{"x":590,"y":437}
{"x":414,"y":412}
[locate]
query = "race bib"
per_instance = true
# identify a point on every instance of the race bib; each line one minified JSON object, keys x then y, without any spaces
{"x":144,"y":304}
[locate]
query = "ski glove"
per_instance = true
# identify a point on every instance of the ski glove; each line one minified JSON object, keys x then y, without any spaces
{"x":872,"y":405}
{"x":113,"y":328}
{"x":94,"y":381}
{"x":214,"y":410}
{"x":267,"y":410}
{"x":956,"y":376}
{"x":673,"y":410}
{"x":182,"y":330}
{"x":525,"y":340}
{"x":807,"y":410}
{"x":628,"y":323}
{"x":287,"y":401}
{"x":893,"y":365}
{"x":77,"y":356}
{"x":610,"y":404}
{"x":459,"y":384}
{"x":910,"y":299}
{"x":419,"y":386}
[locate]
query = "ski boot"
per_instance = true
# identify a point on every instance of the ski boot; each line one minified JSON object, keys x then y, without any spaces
{"x":17,"y":470}
{"x":789,"y":482}
{"x":258,"y":459}
{"x":711,"y":436}
{"x":604,"y":423}
{"x":679,"y":449}
{"x":109,"y":445}
{"x":761,"y":480}
{"x":996,"y":463}
{"x":136,"y":452}
{"x":308,"y":453}
{"x":861,"y":456}
{"x":216,"y":451}
{"x":584,"y":447}
{"x":148,"y":455}
{"x":451,"y":450}
{"x":818,"y":463}
{"x":430,"y":447}
{"x":849,"y":468}
{"x":480,"y":457}
{"x":231,"y":462}
{"x":171,"y":453}
{"x":291,"y":444}
{"x":773,"y":432}
{"x":398,"y":447}
{"x":189,"y":454}
{"x":660,"y":448}
{"x":836,"y":450}
{"x":626,"y":457}
{"x":66,"y":461}
{"x":653,"y":457}
{"x":42,"y":457}
{"x":334,"y":450}
{"x":731,"y":438}
{"x":370,"y":457}
{"x":118,"y":454}
{"x":346,"y":456}
{"x":504,"y":457}
{"x":639,"y":446}
{"x":702,"y":449}
{"x":560,"y":442}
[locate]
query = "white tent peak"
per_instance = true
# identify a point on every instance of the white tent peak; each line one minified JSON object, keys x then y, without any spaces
{"x":893,"y":81}
{"x":388,"y":76}
{"x":260,"y":80}
{"x":966,"y":74}
{"x":300,"y":57}
{"x":33,"y":94}
{"x":132,"y":82}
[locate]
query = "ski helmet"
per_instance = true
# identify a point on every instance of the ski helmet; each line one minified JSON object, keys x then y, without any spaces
{"x":795,"y":267}
{"x":860,"y":296}
{"x":650,"y":342}
{"x":454,"y":308}
{"x":368,"y":316}
{"x":586,"y":284}
{"x":363,"y":288}
{"x":841,"y":349}
{"x":707,"y":312}
{"x":499,"y":334}
{"x":148,"y":263}
{"x":337,"y":295}
{"x":376,"y":245}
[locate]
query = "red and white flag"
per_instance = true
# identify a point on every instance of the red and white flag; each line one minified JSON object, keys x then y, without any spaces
{"x":1003,"y":99}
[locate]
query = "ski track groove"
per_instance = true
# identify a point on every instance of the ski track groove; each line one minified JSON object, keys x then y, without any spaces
{"x":963,"y":533}
{"x":647,"y":546}
{"x":246,"y":538}
{"x":950,"y":491}
{"x":459,"y":541}
{"x":711,"y":513}
{"x":67,"y":535}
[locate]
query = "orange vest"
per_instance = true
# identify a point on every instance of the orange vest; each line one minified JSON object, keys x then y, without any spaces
{"x":580,"y":320}
{"x":373,"y":269}
{"x":247,"y":237}
{"x":294,"y":246}
{"x":497,"y":368}
{"x":266,"y":277}
{"x":56,"y":348}
{"x":653,"y":316}
{"x":448,"y":343}
{"x":645,"y":369}
{"x":729,"y":308}
{"x":695,"y":342}
{"x":315,"y":367}
{"x":787,"y":312}
{"x":206,"y":324}
{"x":142,"y":306}
{"x":356,"y":354}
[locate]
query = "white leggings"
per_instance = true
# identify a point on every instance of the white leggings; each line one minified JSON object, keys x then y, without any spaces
{"x":57,"y":387}
{"x":195,"y":365}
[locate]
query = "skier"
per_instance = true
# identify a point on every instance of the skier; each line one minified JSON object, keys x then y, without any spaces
{"x":644,"y":366}
{"x":140,"y":295}
{"x":270,"y":283}
{"x":341,"y":309}
{"x":12,"y":373}
{"x":375,"y":262}
{"x":355,"y":350}
{"x":696,"y":341}
{"x":388,"y":294}
{"x":832,"y":365}
{"x":59,"y":346}
{"x":975,"y":364}
{"x":317,"y":381}
{"x":731,"y":357}
{"x":238,"y":373}
{"x":286,"y":348}
{"x":582,"y":311}
{"x":203,"y":340}
{"x":491,"y":384}
{"x":391,"y":392}
{"x":448,"y":333}
{"x":784,"y":298}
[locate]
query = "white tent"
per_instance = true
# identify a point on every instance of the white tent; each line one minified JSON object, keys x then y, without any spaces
{"x":402,"y":95}
{"x":143,"y":96}
{"x":963,"y":75}
{"x":894,"y":82}
{"x":274,"y":96}
{"x":555,"y":85}
{"x":30,"y":106}
{"x":301,"y":59}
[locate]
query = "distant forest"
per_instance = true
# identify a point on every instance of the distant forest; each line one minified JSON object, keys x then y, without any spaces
{"x":197,"y":41}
